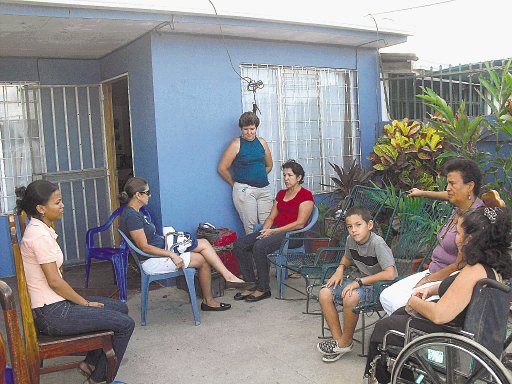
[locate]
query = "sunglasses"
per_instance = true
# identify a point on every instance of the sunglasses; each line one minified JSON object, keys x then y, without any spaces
{"x":148,"y":192}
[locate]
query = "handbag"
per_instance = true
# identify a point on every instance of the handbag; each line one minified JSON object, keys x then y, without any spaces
{"x":177,"y":242}
{"x":209,"y":232}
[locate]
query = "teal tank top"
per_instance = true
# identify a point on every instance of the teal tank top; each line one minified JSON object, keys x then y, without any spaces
{"x":249,"y":164}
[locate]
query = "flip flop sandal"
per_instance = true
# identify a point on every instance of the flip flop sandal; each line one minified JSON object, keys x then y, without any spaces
{"x":85,"y":372}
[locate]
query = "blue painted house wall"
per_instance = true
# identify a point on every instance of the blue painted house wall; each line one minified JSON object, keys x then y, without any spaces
{"x":185,"y":101}
{"x":197,"y":104}
{"x":136,"y":61}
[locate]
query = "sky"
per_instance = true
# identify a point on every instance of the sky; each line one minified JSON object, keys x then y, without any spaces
{"x":442,"y":32}
{"x":451,"y":32}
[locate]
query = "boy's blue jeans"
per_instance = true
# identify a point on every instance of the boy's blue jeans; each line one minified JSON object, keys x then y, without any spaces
{"x":365,"y":292}
{"x":65,"y":318}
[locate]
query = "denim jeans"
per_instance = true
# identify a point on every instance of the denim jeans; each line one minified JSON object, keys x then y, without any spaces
{"x":248,"y":250}
{"x":65,"y":318}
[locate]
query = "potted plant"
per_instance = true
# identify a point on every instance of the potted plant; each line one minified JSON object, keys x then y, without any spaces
{"x":318,"y":236}
{"x":344,"y":181}
{"x":408,"y":154}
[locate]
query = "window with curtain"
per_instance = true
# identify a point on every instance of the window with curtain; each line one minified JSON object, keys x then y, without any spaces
{"x":310,"y":115}
{"x":20,"y":144}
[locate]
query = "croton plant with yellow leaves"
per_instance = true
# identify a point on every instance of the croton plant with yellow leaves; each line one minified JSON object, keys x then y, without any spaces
{"x":406,"y":155}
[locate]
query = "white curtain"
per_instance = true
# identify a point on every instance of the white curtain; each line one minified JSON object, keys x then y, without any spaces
{"x":307,"y":114}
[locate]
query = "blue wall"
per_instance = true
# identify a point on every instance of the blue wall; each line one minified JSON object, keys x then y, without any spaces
{"x":197,"y":104}
{"x":185,"y":101}
{"x":135,"y":60}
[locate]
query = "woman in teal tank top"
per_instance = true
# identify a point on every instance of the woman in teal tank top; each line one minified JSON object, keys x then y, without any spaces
{"x":245,"y":165}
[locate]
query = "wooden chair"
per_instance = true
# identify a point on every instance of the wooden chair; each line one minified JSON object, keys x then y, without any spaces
{"x":12,"y":326}
{"x":2,"y":360}
{"x":40,"y":347}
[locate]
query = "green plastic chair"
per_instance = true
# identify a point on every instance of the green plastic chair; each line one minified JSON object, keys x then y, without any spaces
{"x":312,"y":265}
{"x":412,"y":236}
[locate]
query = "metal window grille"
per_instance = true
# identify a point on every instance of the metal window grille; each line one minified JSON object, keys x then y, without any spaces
{"x":20,"y":140}
{"x":307,"y":114}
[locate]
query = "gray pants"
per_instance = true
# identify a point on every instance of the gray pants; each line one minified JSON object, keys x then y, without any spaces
{"x":253,"y":204}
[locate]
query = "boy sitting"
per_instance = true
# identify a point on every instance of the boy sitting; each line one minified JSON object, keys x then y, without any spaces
{"x":374,"y":259}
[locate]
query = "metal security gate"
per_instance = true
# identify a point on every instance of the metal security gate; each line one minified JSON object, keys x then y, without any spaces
{"x":73,"y":142}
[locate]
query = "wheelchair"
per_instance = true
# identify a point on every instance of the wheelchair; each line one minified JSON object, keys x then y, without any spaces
{"x":474,"y":353}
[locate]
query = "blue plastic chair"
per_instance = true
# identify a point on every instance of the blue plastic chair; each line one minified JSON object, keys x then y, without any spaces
{"x":118,"y":258}
{"x":284,"y":252}
{"x":146,"y":279}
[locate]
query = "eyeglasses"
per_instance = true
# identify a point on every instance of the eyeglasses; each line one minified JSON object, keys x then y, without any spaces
{"x":148,"y":192}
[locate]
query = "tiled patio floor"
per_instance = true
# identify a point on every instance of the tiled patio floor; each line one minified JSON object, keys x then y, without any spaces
{"x":270,"y":341}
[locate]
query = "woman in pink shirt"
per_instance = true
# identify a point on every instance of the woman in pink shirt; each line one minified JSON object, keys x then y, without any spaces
{"x":58,"y":310}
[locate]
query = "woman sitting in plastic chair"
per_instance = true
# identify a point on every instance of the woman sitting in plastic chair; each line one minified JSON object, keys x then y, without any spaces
{"x":483,"y":238}
{"x":199,"y":254}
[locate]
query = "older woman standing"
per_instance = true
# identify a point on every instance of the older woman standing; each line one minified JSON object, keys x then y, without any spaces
{"x":290,"y":212}
{"x":249,"y":159}
{"x":464,"y":179}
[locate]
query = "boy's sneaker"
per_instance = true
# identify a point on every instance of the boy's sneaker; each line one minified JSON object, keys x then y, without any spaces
{"x":332,"y":358}
{"x":331,"y":347}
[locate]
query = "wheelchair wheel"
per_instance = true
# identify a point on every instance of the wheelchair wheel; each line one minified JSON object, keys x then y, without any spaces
{"x":447,"y":358}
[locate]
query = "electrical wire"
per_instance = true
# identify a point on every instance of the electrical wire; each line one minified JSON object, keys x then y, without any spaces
{"x":410,"y":8}
{"x":384,"y":85}
{"x":252,"y":85}
{"x":379,"y":74}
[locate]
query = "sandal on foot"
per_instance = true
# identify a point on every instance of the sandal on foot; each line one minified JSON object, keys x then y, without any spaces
{"x":85,"y":369}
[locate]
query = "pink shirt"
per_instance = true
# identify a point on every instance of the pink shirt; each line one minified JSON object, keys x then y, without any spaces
{"x":39,"y":246}
{"x":445,"y":253}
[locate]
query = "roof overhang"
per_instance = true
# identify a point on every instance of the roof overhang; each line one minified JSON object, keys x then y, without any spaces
{"x":80,"y":32}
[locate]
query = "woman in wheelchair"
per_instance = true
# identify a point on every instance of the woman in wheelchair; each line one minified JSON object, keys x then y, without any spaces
{"x":200,"y":254}
{"x":483,"y":238}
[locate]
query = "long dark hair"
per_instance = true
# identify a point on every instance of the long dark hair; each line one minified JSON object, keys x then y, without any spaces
{"x":488,"y":234}
{"x":132,"y":186}
{"x":36,"y":193}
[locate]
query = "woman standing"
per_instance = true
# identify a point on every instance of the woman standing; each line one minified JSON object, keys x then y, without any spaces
{"x":200,"y":254}
{"x":245,"y":165}
{"x":58,"y":309}
{"x":290,"y":212}
{"x":464,"y":179}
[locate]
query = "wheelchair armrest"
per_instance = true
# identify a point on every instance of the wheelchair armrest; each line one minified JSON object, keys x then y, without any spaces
{"x":448,"y":327}
{"x":491,"y":283}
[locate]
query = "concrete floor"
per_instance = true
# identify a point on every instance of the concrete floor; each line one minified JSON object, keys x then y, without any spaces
{"x":270,"y":341}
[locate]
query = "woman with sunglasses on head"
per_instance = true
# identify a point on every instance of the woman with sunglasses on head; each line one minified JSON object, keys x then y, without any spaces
{"x":58,"y":309}
{"x":200,"y":254}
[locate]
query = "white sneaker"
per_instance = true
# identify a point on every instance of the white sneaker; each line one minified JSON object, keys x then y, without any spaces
{"x":336,"y":356}
{"x":331,"y":347}
{"x":332,"y":358}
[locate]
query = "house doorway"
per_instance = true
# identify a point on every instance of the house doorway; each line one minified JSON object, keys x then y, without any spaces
{"x":118,"y":129}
